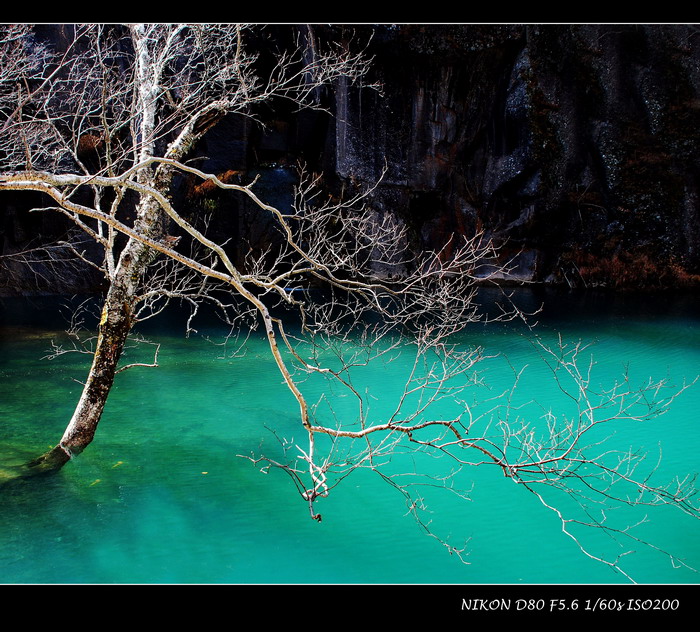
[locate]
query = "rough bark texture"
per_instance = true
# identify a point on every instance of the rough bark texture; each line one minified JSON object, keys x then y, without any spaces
{"x":114,"y":327}
{"x":113,"y":331}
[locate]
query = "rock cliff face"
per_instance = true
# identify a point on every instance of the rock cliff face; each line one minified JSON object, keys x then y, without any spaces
{"x":575,"y":147}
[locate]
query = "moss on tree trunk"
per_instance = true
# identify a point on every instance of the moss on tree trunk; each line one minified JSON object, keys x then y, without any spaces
{"x":114,"y":328}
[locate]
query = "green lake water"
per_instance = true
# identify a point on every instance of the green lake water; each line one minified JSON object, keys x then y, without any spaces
{"x":162,"y":497}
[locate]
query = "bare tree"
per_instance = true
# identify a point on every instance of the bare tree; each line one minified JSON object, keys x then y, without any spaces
{"x":104,"y":126}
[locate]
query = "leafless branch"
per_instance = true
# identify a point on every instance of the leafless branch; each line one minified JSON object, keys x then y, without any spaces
{"x":103,"y":129}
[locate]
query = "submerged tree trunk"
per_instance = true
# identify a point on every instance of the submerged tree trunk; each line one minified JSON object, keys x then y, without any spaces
{"x":113,"y":331}
{"x":115,"y":325}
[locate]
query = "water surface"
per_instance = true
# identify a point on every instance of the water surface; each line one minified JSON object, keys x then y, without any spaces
{"x":162,"y":497}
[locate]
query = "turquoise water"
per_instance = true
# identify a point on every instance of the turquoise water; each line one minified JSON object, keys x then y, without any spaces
{"x":162,"y":497}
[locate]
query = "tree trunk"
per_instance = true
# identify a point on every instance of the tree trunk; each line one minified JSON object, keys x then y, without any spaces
{"x":114,"y":328}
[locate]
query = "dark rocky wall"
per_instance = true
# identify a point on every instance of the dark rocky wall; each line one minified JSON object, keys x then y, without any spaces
{"x":575,"y":147}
